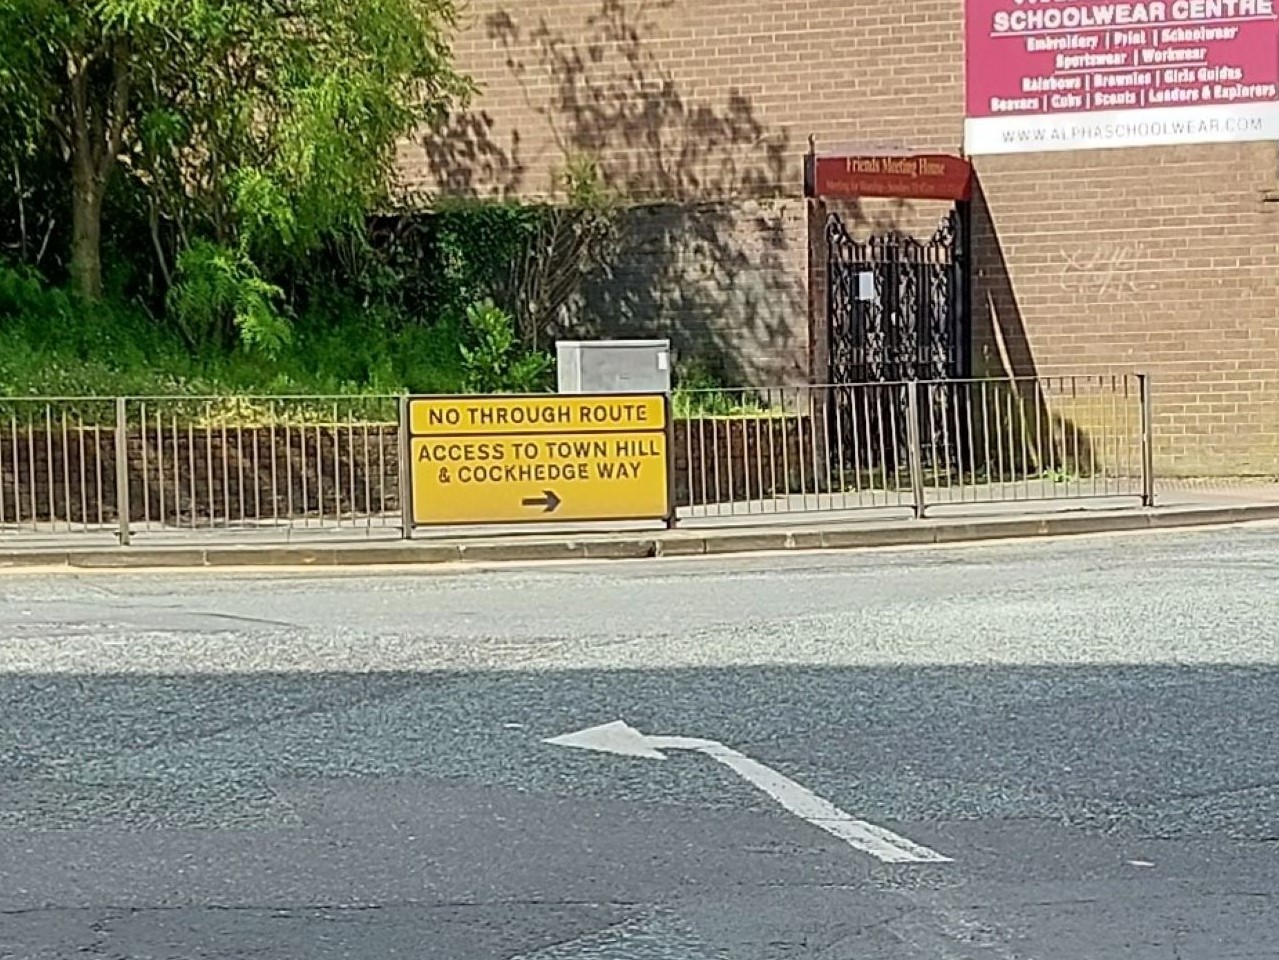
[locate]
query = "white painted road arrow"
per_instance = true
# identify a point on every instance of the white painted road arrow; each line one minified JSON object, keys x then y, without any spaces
{"x":620,"y":738}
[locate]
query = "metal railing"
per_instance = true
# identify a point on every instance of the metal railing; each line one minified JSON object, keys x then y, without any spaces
{"x":319,"y":463}
{"x":913,"y":445}
{"x":58,"y":465}
{"x":199,"y":464}
{"x":791,"y":450}
{"x":150,"y":466}
{"x":1040,"y":438}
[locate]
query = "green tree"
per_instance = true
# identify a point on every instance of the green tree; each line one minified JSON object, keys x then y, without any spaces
{"x":254,"y":129}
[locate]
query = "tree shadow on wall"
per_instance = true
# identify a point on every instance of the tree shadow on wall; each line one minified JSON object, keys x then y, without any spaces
{"x":707,"y":254}
{"x":466,"y":157}
{"x":612,"y":98}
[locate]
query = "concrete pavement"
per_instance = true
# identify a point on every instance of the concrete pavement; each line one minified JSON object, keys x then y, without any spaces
{"x":735,"y":531}
{"x":310,"y":764}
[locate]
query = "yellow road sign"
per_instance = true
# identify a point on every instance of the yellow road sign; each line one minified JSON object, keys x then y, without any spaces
{"x":528,"y":459}
{"x":471,"y":416}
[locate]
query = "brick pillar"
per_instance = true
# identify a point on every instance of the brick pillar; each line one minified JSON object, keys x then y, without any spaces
{"x":818,"y":315}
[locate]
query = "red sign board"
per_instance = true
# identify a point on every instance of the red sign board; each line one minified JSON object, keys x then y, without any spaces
{"x":907,"y":177}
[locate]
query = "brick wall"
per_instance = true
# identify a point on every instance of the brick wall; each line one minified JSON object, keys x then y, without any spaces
{"x":689,"y":100}
{"x":1165,"y":260}
{"x":721,"y":279}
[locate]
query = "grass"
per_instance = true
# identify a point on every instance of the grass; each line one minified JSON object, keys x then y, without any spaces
{"x":700,"y":393}
{"x":50,"y":347}
{"x":706,"y":404}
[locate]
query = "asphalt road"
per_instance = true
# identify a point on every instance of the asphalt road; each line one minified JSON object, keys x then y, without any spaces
{"x":318,"y":765}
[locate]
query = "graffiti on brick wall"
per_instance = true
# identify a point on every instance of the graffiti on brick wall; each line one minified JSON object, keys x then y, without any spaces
{"x":1101,"y":269}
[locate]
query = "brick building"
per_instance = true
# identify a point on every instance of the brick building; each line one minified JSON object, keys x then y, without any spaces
{"x":1156,"y":258}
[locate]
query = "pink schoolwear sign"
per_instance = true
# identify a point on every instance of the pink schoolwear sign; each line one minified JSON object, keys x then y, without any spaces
{"x":1084,"y":74}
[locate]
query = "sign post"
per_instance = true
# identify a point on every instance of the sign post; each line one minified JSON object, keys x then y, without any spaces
{"x":528,"y":459}
{"x":405,"y":471}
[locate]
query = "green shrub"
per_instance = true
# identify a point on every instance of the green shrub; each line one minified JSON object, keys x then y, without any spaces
{"x":220,"y":295}
{"x":50,"y":345}
{"x":494,"y":360}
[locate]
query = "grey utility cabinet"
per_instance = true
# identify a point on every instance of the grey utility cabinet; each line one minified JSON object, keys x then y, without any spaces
{"x":614,"y":366}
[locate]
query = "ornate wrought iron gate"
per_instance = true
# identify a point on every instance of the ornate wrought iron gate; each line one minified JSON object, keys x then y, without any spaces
{"x":897,"y":312}
{"x":897,"y":306}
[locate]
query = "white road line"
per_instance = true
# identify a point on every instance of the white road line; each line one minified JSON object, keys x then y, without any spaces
{"x":878,"y":842}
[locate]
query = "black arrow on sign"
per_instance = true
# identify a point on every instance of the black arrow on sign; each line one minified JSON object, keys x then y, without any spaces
{"x":548,"y":501}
